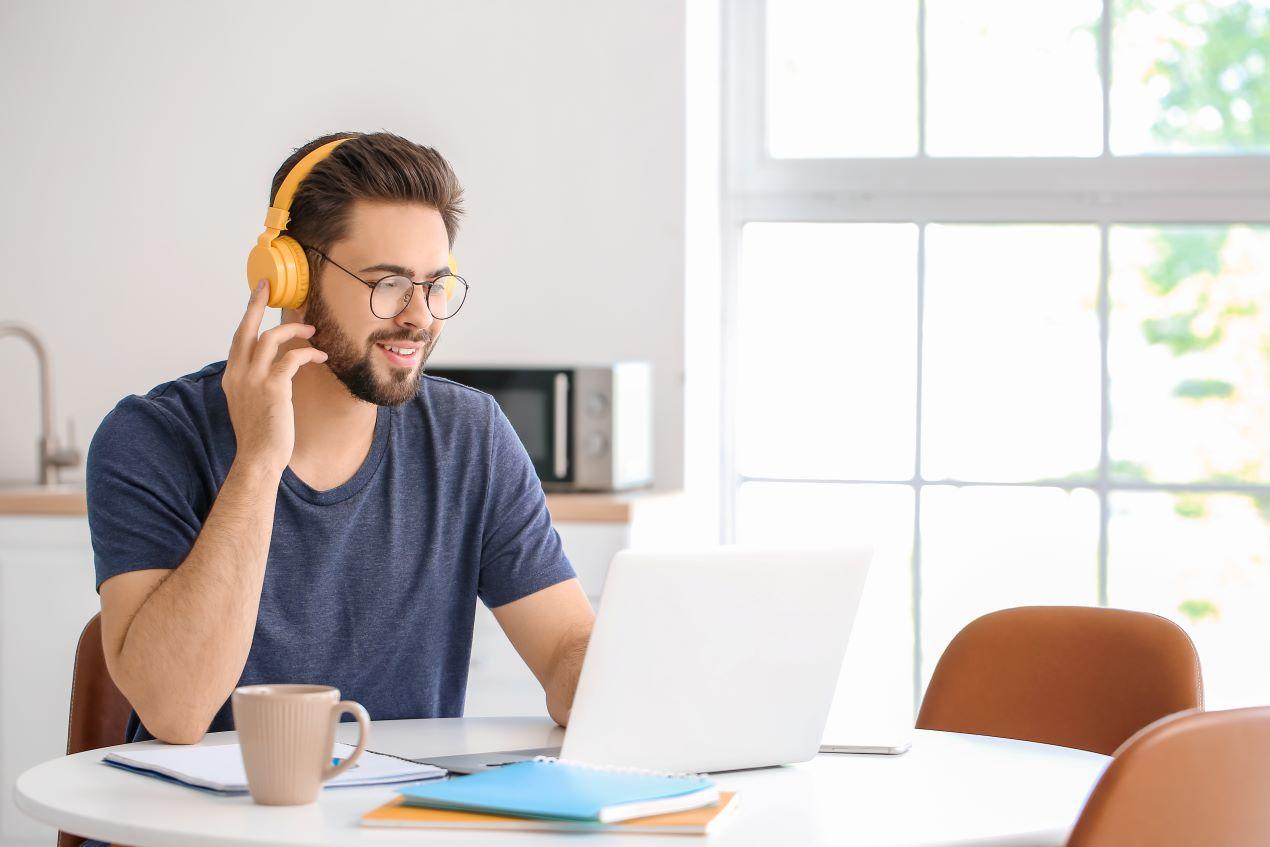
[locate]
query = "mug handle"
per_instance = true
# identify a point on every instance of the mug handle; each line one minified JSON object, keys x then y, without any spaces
{"x":363,"y":735}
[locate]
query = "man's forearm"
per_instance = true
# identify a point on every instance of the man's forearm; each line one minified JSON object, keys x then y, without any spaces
{"x":565,"y":669}
{"x":185,"y":649}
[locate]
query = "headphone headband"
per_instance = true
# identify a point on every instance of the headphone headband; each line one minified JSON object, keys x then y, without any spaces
{"x":279,"y":214}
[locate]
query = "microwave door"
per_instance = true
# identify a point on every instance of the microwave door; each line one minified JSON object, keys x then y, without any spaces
{"x":538,"y":405}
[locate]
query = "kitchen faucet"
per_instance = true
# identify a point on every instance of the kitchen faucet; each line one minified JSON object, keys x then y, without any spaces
{"x":52,"y":457}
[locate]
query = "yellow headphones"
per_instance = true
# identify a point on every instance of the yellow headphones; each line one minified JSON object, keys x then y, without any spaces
{"x":280,"y":258}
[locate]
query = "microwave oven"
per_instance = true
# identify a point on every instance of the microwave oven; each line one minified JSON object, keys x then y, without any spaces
{"x":586,"y":428}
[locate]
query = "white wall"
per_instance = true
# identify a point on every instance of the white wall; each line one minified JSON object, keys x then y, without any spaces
{"x":140,"y":140}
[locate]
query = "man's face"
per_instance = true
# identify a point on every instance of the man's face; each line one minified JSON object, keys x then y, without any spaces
{"x":383,"y":239}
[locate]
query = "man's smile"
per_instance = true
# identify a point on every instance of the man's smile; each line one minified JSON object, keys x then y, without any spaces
{"x":400,"y":353}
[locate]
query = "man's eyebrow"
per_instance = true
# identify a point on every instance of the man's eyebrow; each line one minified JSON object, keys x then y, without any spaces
{"x":403,"y":270}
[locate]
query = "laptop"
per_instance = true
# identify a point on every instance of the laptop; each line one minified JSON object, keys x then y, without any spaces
{"x":708,"y":661}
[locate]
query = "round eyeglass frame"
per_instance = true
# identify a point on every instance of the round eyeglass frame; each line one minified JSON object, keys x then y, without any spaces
{"x":460,"y":292}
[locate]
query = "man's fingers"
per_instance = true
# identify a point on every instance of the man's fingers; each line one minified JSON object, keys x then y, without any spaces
{"x":293,"y":360}
{"x":249,"y":327}
{"x":271,"y":339}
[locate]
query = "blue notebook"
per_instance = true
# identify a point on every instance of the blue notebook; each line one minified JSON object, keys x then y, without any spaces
{"x":563,"y":790}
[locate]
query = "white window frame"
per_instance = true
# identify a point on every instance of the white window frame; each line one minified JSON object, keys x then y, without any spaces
{"x":1102,"y":191}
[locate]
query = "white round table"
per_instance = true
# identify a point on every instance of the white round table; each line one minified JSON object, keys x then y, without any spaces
{"x":948,"y":789}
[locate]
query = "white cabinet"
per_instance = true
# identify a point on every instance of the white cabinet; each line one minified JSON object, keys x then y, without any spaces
{"x":592,"y":527}
{"x":499,"y":682}
{"x":46,"y":597}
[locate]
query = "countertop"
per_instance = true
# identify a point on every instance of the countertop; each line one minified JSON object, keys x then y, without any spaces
{"x":42,"y":500}
{"x":583,"y":508}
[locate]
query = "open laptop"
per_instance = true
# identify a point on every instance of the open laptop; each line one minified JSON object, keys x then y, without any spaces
{"x":708,"y":661}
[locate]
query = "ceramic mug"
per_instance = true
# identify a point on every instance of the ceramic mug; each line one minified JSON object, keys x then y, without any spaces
{"x":286,"y":733}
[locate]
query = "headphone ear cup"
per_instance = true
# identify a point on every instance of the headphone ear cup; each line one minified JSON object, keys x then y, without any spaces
{"x":283,"y":263}
{"x":264,"y":262}
{"x":295,"y":282}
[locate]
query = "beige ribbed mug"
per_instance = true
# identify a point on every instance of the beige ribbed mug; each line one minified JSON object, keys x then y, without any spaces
{"x":286,"y":733}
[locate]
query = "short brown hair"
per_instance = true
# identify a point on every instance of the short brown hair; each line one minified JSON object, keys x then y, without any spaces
{"x":370,"y":166}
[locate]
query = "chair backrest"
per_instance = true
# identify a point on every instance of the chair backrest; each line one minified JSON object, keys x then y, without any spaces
{"x":99,"y":711}
{"x":1075,"y":676}
{"x":1191,"y":778}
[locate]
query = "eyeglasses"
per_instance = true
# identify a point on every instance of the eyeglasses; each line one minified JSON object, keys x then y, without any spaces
{"x":390,"y":296}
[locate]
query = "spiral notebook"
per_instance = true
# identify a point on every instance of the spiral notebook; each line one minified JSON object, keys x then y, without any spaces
{"x":559,"y":789}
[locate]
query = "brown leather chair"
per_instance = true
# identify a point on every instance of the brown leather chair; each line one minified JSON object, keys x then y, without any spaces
{"x":99,"y":711}
{"x":1191,"y":778}
{"x":1074,"y":676}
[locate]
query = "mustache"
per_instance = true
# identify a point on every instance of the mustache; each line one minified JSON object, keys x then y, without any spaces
{"x":424,"y":338}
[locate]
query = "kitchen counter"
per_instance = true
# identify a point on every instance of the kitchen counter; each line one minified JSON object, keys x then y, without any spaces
{"x":43,"y":500}
{"x":580,"y":508}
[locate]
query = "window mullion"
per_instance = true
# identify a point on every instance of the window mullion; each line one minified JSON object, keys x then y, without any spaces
{"x":1104,"y":452}
{"x":1104,"y":73}
{"x":915,"y":574}
{"x":921,"y":78}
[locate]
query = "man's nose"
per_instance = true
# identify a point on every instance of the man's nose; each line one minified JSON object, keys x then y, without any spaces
{"x":416,"y":314}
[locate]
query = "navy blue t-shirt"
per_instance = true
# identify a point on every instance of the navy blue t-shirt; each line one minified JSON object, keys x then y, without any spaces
{"x":370,"y":586}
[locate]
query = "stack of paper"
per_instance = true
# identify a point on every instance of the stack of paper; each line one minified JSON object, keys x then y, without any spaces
{"x":702,"y":821}
{"x":220,"y":768}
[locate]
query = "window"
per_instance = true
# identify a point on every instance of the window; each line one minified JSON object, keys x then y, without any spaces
{"x":996,"y":298}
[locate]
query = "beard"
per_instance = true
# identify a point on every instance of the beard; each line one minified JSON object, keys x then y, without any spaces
{"x":354,"y":365}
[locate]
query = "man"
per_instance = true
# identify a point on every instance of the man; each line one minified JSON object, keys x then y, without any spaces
{"x":315,"y":508}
